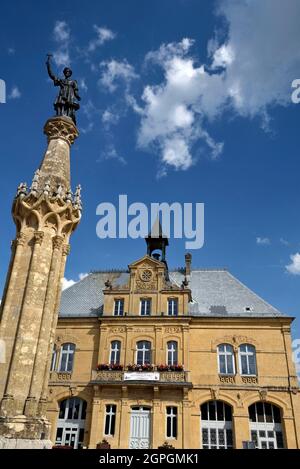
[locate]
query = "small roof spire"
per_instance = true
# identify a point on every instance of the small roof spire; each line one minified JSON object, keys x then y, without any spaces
{"x":157,"y":240}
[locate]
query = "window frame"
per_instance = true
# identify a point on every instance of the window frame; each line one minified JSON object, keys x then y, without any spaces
{"x":148,"y":300}
{"x":116,"y":352}
{"x":109,"y":415}
{"x":116,"y":311}
{"x":173,"y":352}
{"x":226,"y":354}
{"x":173,"y":417}
{"x":68,"y":353}
{"x":173,"y":300}
{"x":247,"y":354}
{"x":143,"y":351}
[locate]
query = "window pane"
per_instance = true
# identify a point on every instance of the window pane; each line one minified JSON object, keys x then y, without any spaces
{"x":252,"y":415}
{"x":222,"y":364}
{"x":70,"y":362}
{"x":244,"y":365}
{"x":260,"y":412}
{"x":212,"y":410}
{"x":107,"y":422}
{"x":228,"y":413}
{"x":63,"y":364}
{"x":268,"y":411}
{"x":230,"y":364}
{"x":252,"y":365}
{"x":113,"y":424}
{"x":276,"y":413}
{"x":147,"y":357}
{"x":279,"y":440}
{"x":62,"y":409}
{"x":204,"y":413}
{"x":83,"y":411}
{"x":220,"y":411}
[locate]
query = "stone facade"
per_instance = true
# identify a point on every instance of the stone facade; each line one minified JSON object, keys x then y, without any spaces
{"x":198,"y":338}
{"x":45,"y":215}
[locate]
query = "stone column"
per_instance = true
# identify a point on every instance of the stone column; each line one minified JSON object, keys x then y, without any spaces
{"x":41,"y":356}
{"x":21,"y":364}
{"x":42,"y":407}
{"x":45,"y":217}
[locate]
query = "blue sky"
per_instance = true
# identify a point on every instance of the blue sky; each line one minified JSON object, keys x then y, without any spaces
{"x":182,"y":101}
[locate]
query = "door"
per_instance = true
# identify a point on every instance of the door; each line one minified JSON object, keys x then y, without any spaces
{"x":70,"y":424}
{"x":139,"y":428}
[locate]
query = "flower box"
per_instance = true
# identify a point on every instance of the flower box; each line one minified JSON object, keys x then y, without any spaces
{"x":140,"y":367}
{"x":170,"y":368}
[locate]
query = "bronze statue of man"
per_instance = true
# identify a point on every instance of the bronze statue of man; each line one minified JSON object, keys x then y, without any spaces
{"x":66,"y":102}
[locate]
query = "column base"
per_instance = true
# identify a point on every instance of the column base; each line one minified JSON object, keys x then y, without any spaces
{"x":22,"y":427}
{"x":14,"y":443}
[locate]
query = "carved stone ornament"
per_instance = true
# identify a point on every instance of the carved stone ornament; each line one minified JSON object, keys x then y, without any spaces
{"x":57,"y":242}
{"x":145,"y":285}
{"x":146,"y":275}
{"x":263,"y":394}
{"x":61,"y":127}
{"x":38,"y":236}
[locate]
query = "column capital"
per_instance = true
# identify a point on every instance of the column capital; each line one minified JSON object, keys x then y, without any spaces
{"x":57,"y":242}
{"x":38,"y":237}
{"x":61,"y":127}
{"x":66,"y":249}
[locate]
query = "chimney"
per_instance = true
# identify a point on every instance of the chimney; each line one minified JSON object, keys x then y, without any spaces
{"x":188,"y":263}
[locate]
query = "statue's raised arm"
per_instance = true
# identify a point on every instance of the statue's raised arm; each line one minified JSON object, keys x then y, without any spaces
{"x":48,"y":63}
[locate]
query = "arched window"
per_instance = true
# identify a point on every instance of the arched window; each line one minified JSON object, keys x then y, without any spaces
{"x":247,"y":357}
{"x":216,"y":425}
{"x":172,"y":353}
{"x":143,"y":352}
{"x":265,"y":426}
{"x":67,"y":357}
{"x":53,"y":358}
{"x":115,"y":352}
{"x":226,"y":359}
{"x":71,"y":420}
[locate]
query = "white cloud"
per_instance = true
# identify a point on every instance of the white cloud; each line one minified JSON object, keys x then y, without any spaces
{"x":103,"y":35}
{"x":173,"y":112}
{"x":263,"y":241}
{"x":110,"y":117}
{"x":248,"y":72}
{"x":15,"y":93}
{"x":284,"y":242}
{"x":110,"y":153}
{"x":294,"y":266}
{"x":61,"y":35}
{"x":61,"y":31}
{"x":113,"y":72}
{"x":82,"y":85}
{"x":69,"y":283}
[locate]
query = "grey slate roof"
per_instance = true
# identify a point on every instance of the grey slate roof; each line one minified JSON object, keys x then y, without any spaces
{"x":215,"y":292}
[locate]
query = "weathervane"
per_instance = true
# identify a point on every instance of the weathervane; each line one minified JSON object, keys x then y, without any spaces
{"x":66,"y":103}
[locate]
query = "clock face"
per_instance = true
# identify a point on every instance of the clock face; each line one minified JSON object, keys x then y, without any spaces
{"x":146,"y":275}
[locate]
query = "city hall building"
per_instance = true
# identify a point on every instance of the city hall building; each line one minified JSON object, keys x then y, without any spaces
{"x":136,"y":358}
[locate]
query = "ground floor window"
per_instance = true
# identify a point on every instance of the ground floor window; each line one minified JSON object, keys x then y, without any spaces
{"x":216,"y":425}
{"x":265,"y":426}
{"x":110,"y":419}
{"x":71,"y":421}
{"x":171,"y":412}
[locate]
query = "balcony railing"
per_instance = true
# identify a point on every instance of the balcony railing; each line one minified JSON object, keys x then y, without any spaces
{"x":160,"y":377}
